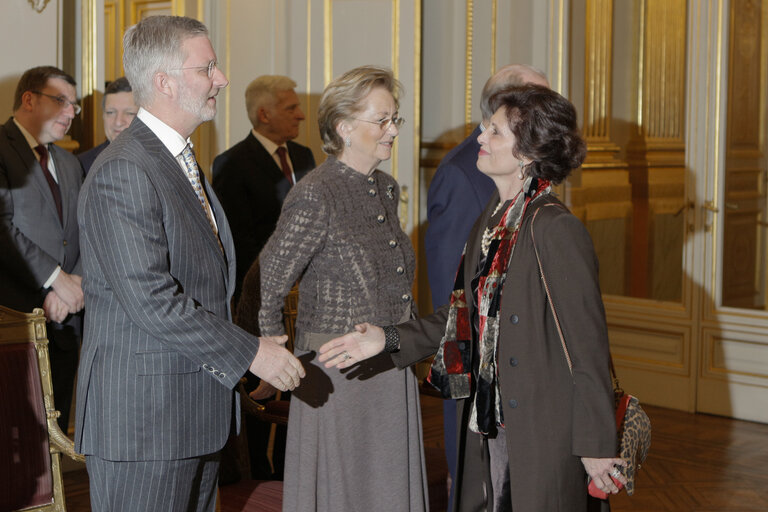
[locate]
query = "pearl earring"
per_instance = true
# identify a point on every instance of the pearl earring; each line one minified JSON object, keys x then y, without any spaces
{"x":348,"y":142}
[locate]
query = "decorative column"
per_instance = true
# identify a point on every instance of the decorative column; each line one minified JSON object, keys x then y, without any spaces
{"x":602,"y":199}
{"x":656,"y":153}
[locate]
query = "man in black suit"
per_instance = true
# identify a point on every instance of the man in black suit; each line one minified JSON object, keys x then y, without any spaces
{"x":39,"y":248}
{"x":251,"y":178}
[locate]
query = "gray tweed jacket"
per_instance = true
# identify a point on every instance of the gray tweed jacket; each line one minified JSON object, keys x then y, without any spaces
{"x":339,"y":233}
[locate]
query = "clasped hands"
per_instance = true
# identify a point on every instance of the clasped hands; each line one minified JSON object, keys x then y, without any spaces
{"x":66,"y":297}
{"x":276,"y":365}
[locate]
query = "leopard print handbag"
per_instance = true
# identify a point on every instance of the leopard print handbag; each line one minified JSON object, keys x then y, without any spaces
{"x":632,"y":423}
{"x":634,"y":432}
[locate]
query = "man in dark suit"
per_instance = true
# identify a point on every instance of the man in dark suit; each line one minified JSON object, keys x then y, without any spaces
{"x":457,"y":195}
{"x":118,"y":110}
{"x":39,"y":248}
{"x":251,"y":178}
{"x":160,"y":355}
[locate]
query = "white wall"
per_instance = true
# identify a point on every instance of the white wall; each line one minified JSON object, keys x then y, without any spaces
{"x":27,"y":39}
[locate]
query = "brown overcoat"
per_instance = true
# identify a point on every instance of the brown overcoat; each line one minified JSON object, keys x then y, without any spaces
{"x":552,"y":417}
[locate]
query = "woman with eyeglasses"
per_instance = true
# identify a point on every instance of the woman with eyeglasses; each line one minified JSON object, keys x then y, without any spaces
{"x":535,"y":404}
{"x":354,"y":438}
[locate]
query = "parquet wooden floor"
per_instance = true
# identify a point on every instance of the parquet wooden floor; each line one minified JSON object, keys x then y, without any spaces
{"x":697,"y":463}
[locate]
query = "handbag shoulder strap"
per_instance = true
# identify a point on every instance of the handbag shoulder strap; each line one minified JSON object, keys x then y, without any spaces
{"x":549,"y":295}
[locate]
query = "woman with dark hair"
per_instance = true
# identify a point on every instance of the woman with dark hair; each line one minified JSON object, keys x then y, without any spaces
{"x":354,"y":438}
{"x":536,"y":409}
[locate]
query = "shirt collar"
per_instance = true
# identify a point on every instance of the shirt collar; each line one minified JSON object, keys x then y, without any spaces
{"x":270,"y":146}
{"x":170,"y":138}
{"x":31,"y":140}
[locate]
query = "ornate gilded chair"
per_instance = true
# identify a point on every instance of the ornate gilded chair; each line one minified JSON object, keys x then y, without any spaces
{"x":31,"y":442}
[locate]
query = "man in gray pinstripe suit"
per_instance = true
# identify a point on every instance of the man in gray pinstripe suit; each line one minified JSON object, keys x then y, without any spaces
{"x":160,"y":356}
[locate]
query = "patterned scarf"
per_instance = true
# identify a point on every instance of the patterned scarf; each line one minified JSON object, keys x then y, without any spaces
{"x":451,"y":371}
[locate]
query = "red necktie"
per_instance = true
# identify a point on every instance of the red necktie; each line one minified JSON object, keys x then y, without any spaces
{"x":284,"y":164}
{"x":43,"y":152}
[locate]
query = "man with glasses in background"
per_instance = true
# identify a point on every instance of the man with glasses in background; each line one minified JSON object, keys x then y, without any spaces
{"x":39,"y":245}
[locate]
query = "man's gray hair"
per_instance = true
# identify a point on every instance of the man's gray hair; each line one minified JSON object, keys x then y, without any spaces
{"x":513,"y":75}
{"x":154,"y":45}
{"x":262,"y":92}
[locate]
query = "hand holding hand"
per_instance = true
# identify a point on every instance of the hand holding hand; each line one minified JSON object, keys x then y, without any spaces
{"x":264,"y":390}
{"x":69,"y":288}
{"x":601,"y":471}
{"x":365,"y":341}
{"x":56,"y":310}
{"x":274,"y":364}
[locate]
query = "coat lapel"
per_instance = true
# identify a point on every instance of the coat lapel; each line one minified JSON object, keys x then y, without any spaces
{"x":169,"y":166}
{"x":26,"y":155}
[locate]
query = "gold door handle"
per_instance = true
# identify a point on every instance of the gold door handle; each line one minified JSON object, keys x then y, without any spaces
{"x":709,"y":205}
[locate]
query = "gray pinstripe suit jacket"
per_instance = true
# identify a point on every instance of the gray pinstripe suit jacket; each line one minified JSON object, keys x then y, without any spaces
{"x":160,"y":356}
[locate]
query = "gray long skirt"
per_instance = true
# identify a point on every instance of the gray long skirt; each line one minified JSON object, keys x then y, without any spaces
{"x":355,"y":440}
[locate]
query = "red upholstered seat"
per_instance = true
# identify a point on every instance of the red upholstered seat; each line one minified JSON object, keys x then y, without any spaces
{"x":31,"y":442}
{"x":25,"y":462}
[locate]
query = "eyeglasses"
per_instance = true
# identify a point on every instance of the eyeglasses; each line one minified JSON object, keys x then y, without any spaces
{"x":210,"y":68}
{"x":61,"y":100}
{"x":385,"y":123}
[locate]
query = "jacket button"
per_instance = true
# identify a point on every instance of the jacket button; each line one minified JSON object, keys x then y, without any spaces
{"x":222,"y":375}
{"x":372,"y":193}
{"x":512,"y":361}
{"x":513,"y":404}
{"x":400,"y":270}
{"x":514,"y":319}
{"x":380,"y":219}
{"x":406,"y":297}
{"x":65,"y":243}
{"x":393,"y":243}
{"x":371,"y":180}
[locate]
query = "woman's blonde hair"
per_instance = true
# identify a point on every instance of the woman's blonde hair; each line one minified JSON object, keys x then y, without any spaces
{"x":342,"y":97}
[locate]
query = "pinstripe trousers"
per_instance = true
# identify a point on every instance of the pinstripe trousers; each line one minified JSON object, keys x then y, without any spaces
{"x":184,"y":485}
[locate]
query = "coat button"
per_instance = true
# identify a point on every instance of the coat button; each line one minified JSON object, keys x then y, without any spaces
{"x":400,"y":270}
{"x":512,"y":361}
{"x":380,"y":219}
{"x":393,"y":243}
{"x":222,"y":375}
{"x":514,"y":319}
{"x":513,"y":404}
{"x":372,"y":192}
{"x":371,"y":180}
{"x":65,"y":243}
{"x":406,"y":297}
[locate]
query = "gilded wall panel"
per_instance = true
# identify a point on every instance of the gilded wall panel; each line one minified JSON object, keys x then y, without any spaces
{"x":744,"y":251}
{"x":656,"y":153}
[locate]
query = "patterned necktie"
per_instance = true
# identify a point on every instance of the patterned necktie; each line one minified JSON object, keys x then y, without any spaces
{"x":193,"y":175}
{"x":43,"y":152}
{"x":282,"y":153}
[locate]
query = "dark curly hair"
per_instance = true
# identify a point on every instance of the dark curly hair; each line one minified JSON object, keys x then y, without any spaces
{"x":545,"y":127}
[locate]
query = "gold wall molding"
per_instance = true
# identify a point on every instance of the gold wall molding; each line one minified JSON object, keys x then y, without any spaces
{"x":468,"y":35}
{"x":656,"y":153}
{"x":601,"y":193}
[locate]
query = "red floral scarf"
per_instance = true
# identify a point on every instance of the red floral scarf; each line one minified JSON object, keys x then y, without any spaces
{"x":451,"y":370}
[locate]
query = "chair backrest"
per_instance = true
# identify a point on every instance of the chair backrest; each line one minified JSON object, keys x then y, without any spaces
{"x":31,"y":442}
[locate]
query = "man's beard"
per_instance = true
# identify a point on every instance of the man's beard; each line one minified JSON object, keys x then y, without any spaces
{"x":196,"y":106}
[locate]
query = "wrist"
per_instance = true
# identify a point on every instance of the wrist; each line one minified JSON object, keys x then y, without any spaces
{"x":391,"y":339}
